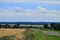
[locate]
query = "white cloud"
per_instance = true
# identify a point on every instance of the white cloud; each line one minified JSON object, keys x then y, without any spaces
{"x":41,"y":8}
{"x":19,"y":14}
{"x":34,"y":1}
{"x":50,"y":2}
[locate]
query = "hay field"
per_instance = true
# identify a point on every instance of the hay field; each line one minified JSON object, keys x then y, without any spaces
{"x":8,"y":32}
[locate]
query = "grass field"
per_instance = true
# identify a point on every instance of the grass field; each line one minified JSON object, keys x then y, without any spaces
{"x":24,"y":34}
{"x":42,"y":36}
{"x":38,"y":35}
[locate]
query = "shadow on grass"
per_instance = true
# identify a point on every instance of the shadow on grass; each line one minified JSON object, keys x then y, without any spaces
{"x":10,"y":37}
{"x":6,"y":38}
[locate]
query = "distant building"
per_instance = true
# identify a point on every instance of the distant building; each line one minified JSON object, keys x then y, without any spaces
{"x":27,"y":25}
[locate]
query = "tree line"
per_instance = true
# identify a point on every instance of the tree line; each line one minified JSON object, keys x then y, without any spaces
{"x":9,"y":26}
{"x":54,"y":26}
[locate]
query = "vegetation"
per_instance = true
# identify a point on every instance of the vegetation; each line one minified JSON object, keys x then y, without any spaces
{"x":25,"y":34}
{"x":7,"y":26}
{"x":16,"y":26}
{"x":45,"y":26}
{"x":11,"y":34}
{"x":38,"y":35}
{"x":55,"y":26}
{"x":6,"y":38}
{"x":29,"y":35}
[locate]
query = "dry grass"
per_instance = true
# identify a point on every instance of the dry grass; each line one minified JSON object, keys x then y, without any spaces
{"x":17,"y":32}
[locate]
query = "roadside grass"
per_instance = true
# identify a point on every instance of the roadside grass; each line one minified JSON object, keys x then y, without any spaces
{"x":38,"y":35}
{"x":58,"y":31}
{"x":42,"y":36}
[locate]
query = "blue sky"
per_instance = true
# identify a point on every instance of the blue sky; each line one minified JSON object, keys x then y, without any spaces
{"x":30,"y":5}
{"x":30,"y":11}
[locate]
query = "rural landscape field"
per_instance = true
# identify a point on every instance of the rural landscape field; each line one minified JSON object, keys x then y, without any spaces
{"x":25,"y":34}
{"x":29,"y":19}
{"x":11,"y":34}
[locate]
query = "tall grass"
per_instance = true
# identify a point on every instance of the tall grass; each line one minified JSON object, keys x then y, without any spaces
{"x":38,"y":35}
{"x":29,"y":35}
{"x":11,"y":34}
{"x":6,"y":38}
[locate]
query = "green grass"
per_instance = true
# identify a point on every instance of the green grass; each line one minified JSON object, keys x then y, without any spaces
{"x":38,"y":35}
{"x":57,"y":31}
{"x":42,"y":36}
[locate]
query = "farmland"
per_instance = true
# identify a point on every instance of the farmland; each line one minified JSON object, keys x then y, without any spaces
{"x":15,"y":33}
{"x":25,"y":34}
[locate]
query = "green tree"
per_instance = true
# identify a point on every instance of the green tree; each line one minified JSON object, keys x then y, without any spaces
{"x":0,"y":26}
{"x":7,"y":26}
{"x":46,"y":26}
{"x":55,"y":26}
{"x":16,"y":26}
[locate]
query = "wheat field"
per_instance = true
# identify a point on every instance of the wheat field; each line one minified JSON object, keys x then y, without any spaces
{"x":8,"y":32}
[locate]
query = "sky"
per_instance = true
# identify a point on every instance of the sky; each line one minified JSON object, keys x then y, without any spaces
{"x":29,"y":10}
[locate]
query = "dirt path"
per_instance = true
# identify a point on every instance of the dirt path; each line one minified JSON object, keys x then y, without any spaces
{"x":51,"y":33}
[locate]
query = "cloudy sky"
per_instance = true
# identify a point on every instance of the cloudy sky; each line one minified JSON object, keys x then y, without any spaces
{"x":29,"y":10}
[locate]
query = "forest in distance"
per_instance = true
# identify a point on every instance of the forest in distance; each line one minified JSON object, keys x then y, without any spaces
{"x":45,"y":25}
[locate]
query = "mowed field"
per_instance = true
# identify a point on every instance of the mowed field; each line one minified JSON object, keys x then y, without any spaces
{"x":18,"y":33}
